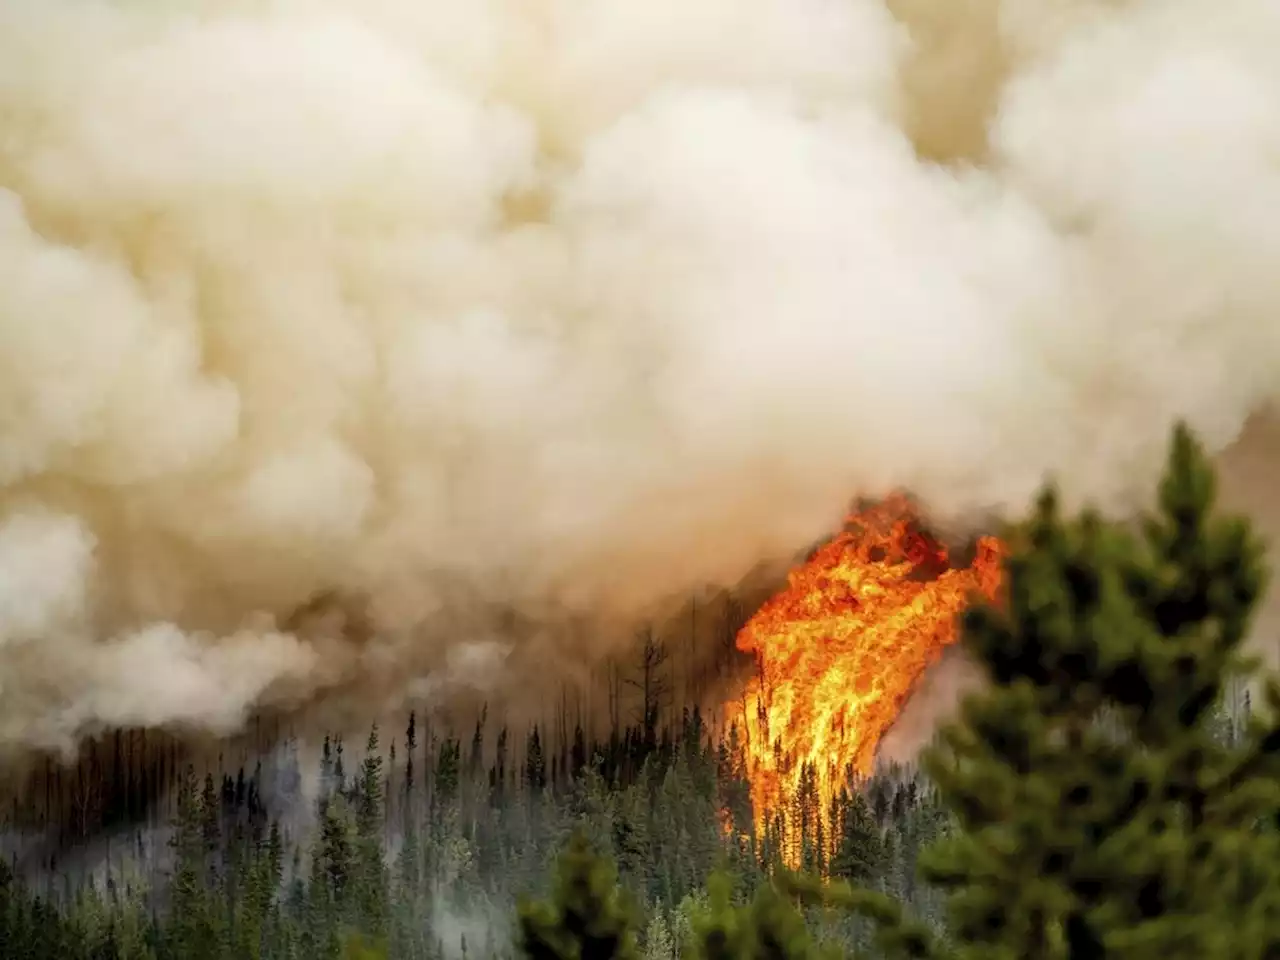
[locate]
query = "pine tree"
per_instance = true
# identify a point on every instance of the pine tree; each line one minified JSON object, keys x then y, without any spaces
{"x":769,"y":927}
{"x":659,"y":944}
{"x":371,"y":887}
{"x":587,"y":918}
{"x":535,"y":764}
{"x":1146,"y":836}
{"x":498,"y":772}
{"x":191,"y":934}
{"x":578,"y":756}
{"x":859,"y":855}
{"x":448,"y":773}
{"x":410,"y":746}
{"x":476,"y":760}
{"x":734,"y":784}
{"x":334,"y":858}
{"x":324,"y":892}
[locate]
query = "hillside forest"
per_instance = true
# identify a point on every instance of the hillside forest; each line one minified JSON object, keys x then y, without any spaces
{"x":1113,"y":791}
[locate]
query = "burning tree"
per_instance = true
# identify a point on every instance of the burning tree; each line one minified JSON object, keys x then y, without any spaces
{"x":839,"y":650}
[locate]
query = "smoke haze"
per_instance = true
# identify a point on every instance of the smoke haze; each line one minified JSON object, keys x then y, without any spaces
{"x":449,"y":310}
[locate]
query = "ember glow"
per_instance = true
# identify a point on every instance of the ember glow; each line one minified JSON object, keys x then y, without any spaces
{"x":842,"y":646}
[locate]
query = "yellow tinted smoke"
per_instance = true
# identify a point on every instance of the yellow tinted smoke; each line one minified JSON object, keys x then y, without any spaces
{"x":570,"y":305}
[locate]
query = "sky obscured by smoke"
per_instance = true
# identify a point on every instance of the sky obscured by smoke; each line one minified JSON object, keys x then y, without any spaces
{"x":551,"y":305}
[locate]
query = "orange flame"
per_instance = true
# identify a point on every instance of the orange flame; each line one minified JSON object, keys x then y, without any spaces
{"x":842,"y":646}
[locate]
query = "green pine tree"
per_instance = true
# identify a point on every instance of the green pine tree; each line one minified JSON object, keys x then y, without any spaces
{"x":588,"y":916}
{"x":1145,"y":836}
{"x":372,"y":881}
{"x":859,"y":855}
{"x":192,"y":933}
{"x":768,"y":927}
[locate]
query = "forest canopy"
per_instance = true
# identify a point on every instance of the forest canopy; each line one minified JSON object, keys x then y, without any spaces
{"x":1110,"y":792}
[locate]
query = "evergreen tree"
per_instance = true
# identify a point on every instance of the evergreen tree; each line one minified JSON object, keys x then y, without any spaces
{"x":410,"y":745}
{"x":535,"y":765}
{"x":769,"y":927}
{"x":371,"y":874}
{"x":659,"y":944}
{"x":859,"y":855}
{"x":334,"y":860}
{"x":587,"y":918}
{"x":1146,"y":836}
{"x":191,"y":934}
{"x":578,"y":756}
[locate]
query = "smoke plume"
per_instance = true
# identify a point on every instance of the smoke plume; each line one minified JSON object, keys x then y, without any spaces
{"x":459,"y":312}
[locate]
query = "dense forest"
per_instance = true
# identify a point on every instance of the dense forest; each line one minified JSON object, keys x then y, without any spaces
{"x":1112,"y":792}
{"x":440,"y":844}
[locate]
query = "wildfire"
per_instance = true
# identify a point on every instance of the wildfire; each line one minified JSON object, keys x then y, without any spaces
{"x":841,"y":647}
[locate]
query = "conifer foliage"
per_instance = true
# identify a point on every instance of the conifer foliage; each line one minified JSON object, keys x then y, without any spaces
{"x":768,"y":927}
{"x":1100,"y":813}
{"x":587,"y":918}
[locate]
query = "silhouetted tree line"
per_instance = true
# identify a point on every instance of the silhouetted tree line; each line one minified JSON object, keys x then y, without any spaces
{"x":1099,"y":799}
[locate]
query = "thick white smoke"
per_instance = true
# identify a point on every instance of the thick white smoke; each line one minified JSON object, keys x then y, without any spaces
{"x":576,"y":305}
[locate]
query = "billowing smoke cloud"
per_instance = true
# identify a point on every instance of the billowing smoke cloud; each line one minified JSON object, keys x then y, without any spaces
{"x":437,"y":306}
